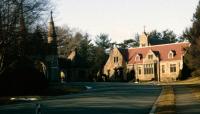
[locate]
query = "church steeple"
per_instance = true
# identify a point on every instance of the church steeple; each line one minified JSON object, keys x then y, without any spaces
{"x":52,"y":56}
{"x":51,"y":30}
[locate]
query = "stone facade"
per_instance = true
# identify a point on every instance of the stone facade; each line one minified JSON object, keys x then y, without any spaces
{"x":145,"y":63}
{"x":115,"y":63}
{"x":166,"y":75}
{"x":144,"y":40}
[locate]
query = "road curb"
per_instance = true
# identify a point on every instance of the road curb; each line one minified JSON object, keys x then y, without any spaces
{"x":165,"y":103}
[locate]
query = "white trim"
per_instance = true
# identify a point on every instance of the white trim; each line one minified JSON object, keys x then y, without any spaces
{"x":136,"y":57}
{"x":169,"y":54}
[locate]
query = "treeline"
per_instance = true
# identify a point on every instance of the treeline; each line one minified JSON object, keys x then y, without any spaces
{"x":91,"y":55}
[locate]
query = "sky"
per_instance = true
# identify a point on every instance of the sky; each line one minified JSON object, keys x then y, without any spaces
{"x":122,"y":19}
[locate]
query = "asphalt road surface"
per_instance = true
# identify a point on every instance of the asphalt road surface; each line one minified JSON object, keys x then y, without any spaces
{"x":186,"y":103}
{"x":100,"y":98}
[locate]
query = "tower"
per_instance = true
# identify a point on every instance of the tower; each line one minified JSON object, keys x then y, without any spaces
{"x":52,"y":56}
{"x":144,"y":40}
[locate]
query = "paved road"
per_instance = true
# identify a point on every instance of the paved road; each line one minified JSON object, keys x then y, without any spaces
{"x":185,"y":101}
{"x":103,"y":98}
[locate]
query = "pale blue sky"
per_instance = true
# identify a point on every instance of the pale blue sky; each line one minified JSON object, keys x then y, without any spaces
{"x":122,"y":19}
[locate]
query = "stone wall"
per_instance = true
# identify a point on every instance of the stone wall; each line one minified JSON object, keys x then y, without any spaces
{"x":111,"y":65}
{"x":168,"y":76}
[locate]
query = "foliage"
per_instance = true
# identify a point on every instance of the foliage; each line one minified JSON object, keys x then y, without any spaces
{"x":67,"y":41}
{"x":17,"y":18}
{"x":103,"y":41}
{"x":185,"y":72}
{"x":128,"y":44}
{"x":85,"y":56}
{"x":36,"y":44}
{"x":20,"y":43}
{"x":193,"y":35}
{"x":164,"y":37}
{"x":22,"y":78}
{"x":104,"y":44}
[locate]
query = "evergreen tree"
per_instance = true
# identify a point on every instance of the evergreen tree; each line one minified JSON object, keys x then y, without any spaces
{"x":103,"y":41}
{"x":128,"y":44}
{"x":193,"y":35}
{"x":164,"y":37}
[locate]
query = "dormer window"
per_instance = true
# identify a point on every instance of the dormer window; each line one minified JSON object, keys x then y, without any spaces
{"x":171,"y":54}
{"x":137,"y":58}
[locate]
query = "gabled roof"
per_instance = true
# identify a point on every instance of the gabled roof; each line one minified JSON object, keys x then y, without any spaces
{"x":72,"y":55}
{"x":159,"y":50}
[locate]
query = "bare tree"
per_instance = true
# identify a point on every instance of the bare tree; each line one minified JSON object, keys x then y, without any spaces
{"x":16,"y":19}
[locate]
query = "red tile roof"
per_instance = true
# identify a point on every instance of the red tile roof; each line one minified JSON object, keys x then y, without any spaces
{"x":161,"y":50}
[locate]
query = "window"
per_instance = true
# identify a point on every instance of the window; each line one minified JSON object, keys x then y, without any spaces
{"x":115,"y":59}
{"x":108,"y":72}
{"x":137,"y":58}
{"x":139,"y":71}
{"x":163,"y":68}
{"x":148,"y":69}
{"x":171,"y":54}
{"x":172,"y":67}
{"x":150,"y":57}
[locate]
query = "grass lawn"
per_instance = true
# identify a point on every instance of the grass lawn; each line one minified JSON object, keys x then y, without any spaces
{"x":166,"y":102}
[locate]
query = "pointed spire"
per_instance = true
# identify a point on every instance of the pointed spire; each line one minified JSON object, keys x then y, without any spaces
{"x":51,"y":19}
{"x":144,"y":39}
{"x":144,"y":29}
{"x":51,"y":30}
{"x":52,"y":55}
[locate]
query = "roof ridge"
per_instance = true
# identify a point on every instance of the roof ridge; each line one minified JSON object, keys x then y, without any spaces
{"x":159,"y":45}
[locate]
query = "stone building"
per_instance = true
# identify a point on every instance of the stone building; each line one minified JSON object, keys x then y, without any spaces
{"x":146,"y":62}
